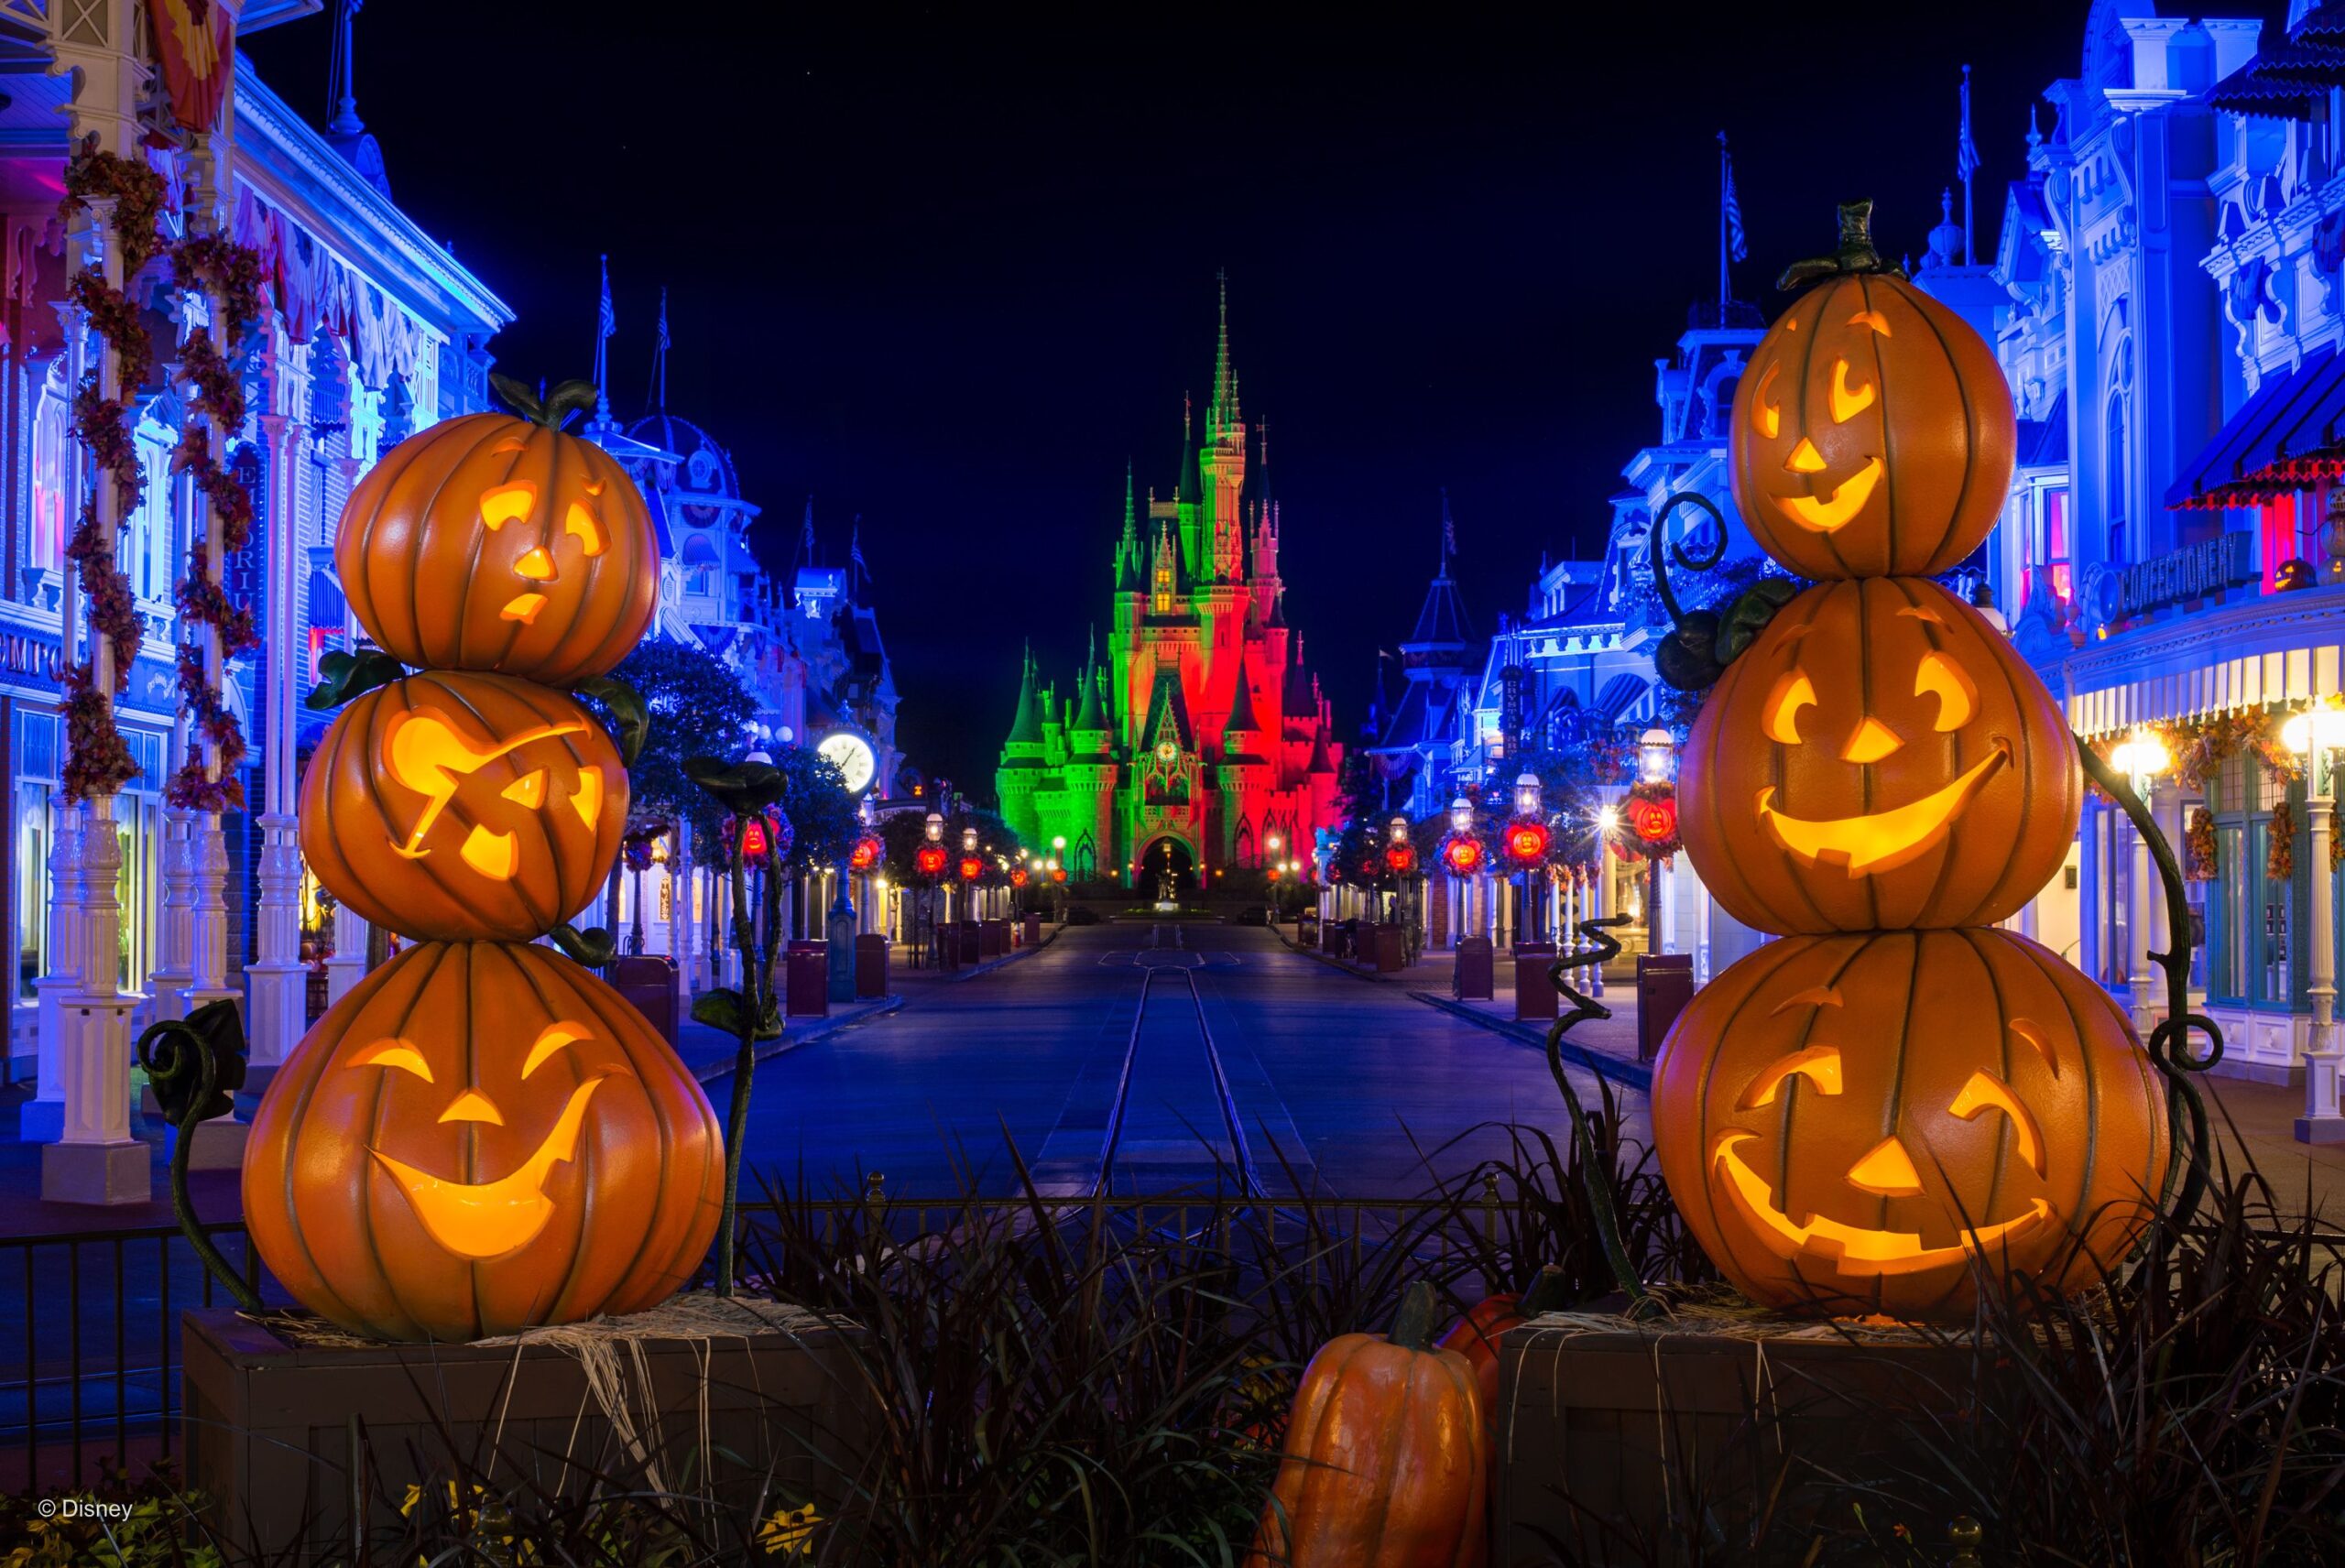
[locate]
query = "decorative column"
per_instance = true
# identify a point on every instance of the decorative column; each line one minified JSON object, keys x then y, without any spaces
{"x":2140,"y":974}
{"x":2323,"y":1121}
{"x":275,"y":1011}
{"x":95,"y":1160}
{"x":176,"y":939}
{"x":347,"y":965}
{"x":42,"y":1118}
{"x":1701,"y":912}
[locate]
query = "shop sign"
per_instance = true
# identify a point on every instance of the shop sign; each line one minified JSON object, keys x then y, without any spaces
{"x":2121,"y":593}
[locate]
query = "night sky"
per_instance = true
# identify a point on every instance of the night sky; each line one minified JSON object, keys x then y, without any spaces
{"x":950,"y":269}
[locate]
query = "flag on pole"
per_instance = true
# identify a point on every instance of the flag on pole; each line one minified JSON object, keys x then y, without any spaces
{"x":806,"y":538}
{"x":855,"y":550}
{"x":1737,"y":246}
{"x":1966,"y":151}
{"x":607,"y":322}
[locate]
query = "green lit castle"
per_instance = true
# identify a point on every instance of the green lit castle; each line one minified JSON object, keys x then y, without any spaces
{"x":1200,"y":740}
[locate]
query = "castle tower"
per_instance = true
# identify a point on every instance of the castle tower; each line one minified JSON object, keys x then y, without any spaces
{"x":1022,"y":763}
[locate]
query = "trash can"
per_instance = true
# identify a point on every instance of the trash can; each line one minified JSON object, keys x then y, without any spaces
{"x":1033,"y":930}
{"x":972,"y":941}
{"x":1665,"y":985}
{"x":1306,"y":929}
{"x":993,"y":939}
{"x":870,"y":966}
{"x":1391,"y":948}
{"x":1534,"y":992}
{"x":806,"y":980}
{"x":1474,"y":979}
{"x":650,"y":983}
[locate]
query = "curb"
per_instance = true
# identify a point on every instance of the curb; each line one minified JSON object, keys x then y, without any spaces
{"x":1603,"y":1063}
{"x":782,"y":1047}
{"x":1339,"y":965}
{"x":990,"y":964}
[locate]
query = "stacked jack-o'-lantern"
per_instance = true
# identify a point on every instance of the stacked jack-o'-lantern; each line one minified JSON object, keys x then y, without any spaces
{"x":1865,"y":1116}
{"x":481,"y":1136}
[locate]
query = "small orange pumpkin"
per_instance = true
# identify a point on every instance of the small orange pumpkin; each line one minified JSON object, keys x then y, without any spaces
{"x":455,"y":808}
{"x":1849,"y":1122}
{"x":481,"y":1137}
{"x":1874,"y":433}
{"x":490,"y":542}
{"x":1388,"y":1456}
{"x":1879,"y":757}
{"x":1478,"y":1334}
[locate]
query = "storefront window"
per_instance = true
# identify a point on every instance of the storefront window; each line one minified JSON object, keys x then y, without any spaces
{"x":2269,"y":915}
{"x":2227,"y":943}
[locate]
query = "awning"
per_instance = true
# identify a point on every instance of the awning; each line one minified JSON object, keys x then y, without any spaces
{"x":2290,"y":80}
{"x":2285,"y":438}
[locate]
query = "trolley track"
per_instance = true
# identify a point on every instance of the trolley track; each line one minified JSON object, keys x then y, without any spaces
{"x":1176,"y":1015}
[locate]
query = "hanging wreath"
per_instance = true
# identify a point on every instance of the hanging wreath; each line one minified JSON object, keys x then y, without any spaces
{"x":1649,"y":820}
{"x":2280,"y":861}
{"x":2198,"y":847}
{"x":98,"y":760}
{"x":229,"y":275}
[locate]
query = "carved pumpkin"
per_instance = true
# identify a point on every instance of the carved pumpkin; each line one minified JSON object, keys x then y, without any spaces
{"x":1846,"y":1122}
{"x":454,"y":807}
{"x":1878,"y":759}
{"x":479,"y":1137}
{"x":1873,"y":433}
{"x":1387,"y":1462}
{"x":494,"y":543}
{"x":1477,"y":1335}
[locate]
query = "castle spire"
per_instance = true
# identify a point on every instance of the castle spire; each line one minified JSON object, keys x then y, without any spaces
{"x":1026,"y":728}
{"x":1090,"y":717}
{"x":1224,"y":411}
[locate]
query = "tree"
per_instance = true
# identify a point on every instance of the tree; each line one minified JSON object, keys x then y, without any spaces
{"x":699,"y":708}
{"x":821,"y":812}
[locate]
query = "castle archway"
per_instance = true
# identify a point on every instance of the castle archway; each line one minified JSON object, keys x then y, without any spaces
{"x":1168,"y":858}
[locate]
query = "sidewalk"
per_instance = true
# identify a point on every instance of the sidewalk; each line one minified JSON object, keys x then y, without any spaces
{"x":1604,"y":1046}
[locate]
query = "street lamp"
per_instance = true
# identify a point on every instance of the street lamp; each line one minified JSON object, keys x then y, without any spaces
{"x":1461,"y":815}
{"x":1526,"y":795}
{"x":2314,"y":735}
{"x":1656,"y":764}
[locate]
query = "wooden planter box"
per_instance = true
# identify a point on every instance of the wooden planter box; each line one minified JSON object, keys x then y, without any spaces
{"x":1627,"y":1444}
{"x":268,"y":1424}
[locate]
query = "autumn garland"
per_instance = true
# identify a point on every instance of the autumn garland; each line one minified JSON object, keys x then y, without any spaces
{"x":230,"y":276}
{"x":98,"y":762}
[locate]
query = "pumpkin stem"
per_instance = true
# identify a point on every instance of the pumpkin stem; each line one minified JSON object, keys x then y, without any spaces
{"x":1856,"y":252}
{"x":1547,"y":1292}
{"x":1413,"y":1325}
{"x":566,"y":398}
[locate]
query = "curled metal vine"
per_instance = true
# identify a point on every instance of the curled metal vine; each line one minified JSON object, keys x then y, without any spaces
{"x":2169,"y":1042}
{"x":195,"y":1065}
{"x":1601,"y":949}
{"x":1702,"y":643}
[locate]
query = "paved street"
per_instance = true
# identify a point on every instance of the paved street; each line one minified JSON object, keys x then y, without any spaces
{"x":1337,"y":1083}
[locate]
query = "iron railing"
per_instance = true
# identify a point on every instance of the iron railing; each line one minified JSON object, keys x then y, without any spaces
{"x":89,"y":1320}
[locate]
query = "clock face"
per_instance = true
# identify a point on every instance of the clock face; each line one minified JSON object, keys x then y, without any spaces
{"x":1168,"y":752}
{"x":853,"y":756}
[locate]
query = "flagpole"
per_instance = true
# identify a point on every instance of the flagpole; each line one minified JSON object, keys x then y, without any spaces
{"x":1969,"y":244}
{"x":1725,"y":290}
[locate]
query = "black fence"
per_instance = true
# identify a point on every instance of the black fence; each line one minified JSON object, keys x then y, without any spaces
{"x":89,"y":1320}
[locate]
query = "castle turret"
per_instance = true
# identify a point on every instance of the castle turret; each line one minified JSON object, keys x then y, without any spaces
{"x":1023,"y":763}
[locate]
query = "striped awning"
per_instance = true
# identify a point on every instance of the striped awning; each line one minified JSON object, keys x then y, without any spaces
{"x":2225,"y":685}
{"x":2285,"y":438}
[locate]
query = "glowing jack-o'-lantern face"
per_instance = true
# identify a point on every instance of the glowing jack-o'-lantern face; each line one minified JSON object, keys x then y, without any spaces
{"x":493,"y":543}
{"x":1873,"y":433}
{"x":454,"y":807}
{"x":1850,"y":1122}
{"x":477,"y":1139}
{"x":1878,"y":759}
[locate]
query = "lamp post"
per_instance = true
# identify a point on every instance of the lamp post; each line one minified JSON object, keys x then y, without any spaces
{"x":1656,"y":764}
{"x":935,"y":828}
{"x":1530,"y":800}
{"x":2141,"y":757}
{"x":2314,"y":735}
{"x":1461,"y":823}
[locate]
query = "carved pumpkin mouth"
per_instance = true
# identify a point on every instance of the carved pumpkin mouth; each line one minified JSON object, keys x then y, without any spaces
{"x":1856,"y":1253}
{"x":1882,"y":840}
{"x":489,"y":1219}
{"x":1830,"y":513}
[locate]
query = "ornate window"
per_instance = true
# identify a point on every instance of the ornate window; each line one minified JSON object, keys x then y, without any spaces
{"x":52,"y":470}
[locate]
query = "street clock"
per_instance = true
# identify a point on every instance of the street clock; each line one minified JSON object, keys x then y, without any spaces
{"x":1168,"y":752}
{"x":853,"y":756}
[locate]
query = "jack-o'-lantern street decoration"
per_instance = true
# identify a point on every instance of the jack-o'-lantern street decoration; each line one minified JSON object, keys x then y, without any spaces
{"x":1649,"y":815}
{"x":1875,"y":775}
{"x":971,"y":868}
{"x":482,"y":1137}
{"x":1527,"y":843}
{"x":1463,"y":855}
{"x":1400,"y":857}
{"x":865,"y":855}
{"x":497,"y":542}
{"x":931,"y":860}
